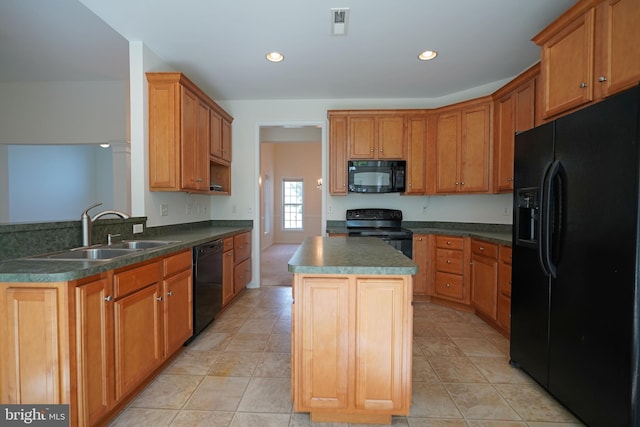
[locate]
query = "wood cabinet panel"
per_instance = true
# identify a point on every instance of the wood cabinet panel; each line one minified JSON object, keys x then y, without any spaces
{"x":338,"y":155}
{"x":242,"y":246}
{"x":178,"y":314}
{"x":241,"y":275}
{"x":362,"y":137}
{"x":417,"y":154}
{"x":94,"y":320}
{"x":351,"y":347}
{"x":390,"y":137}
{"x":447,"y":155}
{"x":504,"y":290}
{"x":33,"y":343}
{"x":449,"y":260}
{"x":423,"y":256}
{"x":324,"y":321}
{"x":139,"y":346}
{"x":484,"y":278}
{"x":227,"y":277}
{"x":449,"y":242}
{"x":475,"y":160}
{"x":449,"y":285}
{"x":133,"y":279}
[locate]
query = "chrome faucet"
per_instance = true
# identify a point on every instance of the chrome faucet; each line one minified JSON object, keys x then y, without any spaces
{"x":87,"y":221}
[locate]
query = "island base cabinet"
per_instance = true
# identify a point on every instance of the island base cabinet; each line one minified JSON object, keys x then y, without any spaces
{"x":352,"y":347}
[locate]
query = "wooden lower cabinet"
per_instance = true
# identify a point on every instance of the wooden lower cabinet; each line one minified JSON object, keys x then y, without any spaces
{"x":92,"y":343}
{"x":352,"y":347}
{"x":227,"y":272}
{"x":504,"y":290}
{"x":451,"y":270}
{"x":241,"y":276}
{"x":484,"y":278}
{"x":423,"y":256}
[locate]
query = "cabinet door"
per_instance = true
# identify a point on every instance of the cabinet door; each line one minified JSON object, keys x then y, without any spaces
{"x":215,"y":128}
{"x":201,"y":160}
{"x":164,"y":138}
{"x":362,"y":137}
{"x":504,"y":135}
{"x":338,"y":156}
{"x":421,"y":256}
{"x":476,"y":149}
{"x":567,"y":66}
{"x":227,"y":277}
{"x":139,"y":347}
{"x":621,"y":45}
{"x":178,"y":316}
{"x":188,"y":137}
{"x":390,"y":138}
{"x":447,"y":156}
{"x":226,"y":140}
{"x":323,"y":309}
{"x":417,"y":159}
{"x":241,"y":275}
{"x":382,"y":330}
{"x":242,"y":246}
{"x":94,"y":320}
{"x":484,"y":278}
{"x":32,"y":338}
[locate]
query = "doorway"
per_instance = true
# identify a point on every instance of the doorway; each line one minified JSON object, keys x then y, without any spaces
{"x":291,"y":196}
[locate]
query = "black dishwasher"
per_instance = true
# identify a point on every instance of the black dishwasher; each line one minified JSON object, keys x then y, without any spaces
{"x":207,"y":284}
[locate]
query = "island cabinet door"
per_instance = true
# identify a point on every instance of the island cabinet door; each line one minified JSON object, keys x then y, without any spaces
{"x":383,"y":332}
{"x":323,"y":308}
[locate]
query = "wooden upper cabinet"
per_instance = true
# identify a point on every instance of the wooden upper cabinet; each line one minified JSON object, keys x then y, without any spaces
{"x":338,"y":155}
{"x":620,"y":66}
{"x":184,"y":133}
{"x":376,"y":137}
{"x":514,"y":111}
{"x":461,"y":146}
{"x":220,"y":137}
{"x":589,"y":52}
{"x":416,"y":126}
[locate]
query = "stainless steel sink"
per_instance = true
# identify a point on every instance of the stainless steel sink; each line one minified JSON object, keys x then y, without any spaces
{"x":89,"y":254}
{"x":141,"y":244}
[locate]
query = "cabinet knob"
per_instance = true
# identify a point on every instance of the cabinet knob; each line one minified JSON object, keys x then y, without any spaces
{"x":602,"y":79}
{"x":447,"y":285}
{"x":448,"y":261}
{"x":583,"y":85}
{"x":448,"y":242}
{"x":108,"y":298}
{"x":481,"y":248}
{"x":457,"y":183}
{"x":462,"y":183}
{"x":159,"y":299}
{"x":170,"y":293}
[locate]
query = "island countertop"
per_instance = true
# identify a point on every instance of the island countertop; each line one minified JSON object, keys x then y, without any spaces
{"x":349,"y":255}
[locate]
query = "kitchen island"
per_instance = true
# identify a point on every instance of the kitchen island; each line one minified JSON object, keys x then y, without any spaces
{"x":352,"y":325}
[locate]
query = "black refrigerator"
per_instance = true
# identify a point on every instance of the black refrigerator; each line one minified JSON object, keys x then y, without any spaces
{"x":575,"y":313}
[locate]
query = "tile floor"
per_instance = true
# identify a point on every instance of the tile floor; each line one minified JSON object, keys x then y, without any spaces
{"x":237,"y":373}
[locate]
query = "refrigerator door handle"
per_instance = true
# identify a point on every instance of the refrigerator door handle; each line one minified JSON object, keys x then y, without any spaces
{"x":549,"y":207}
{"x":542,"y":221}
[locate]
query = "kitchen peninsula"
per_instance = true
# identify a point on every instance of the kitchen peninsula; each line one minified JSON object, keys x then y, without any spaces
{"x":352,"y":324}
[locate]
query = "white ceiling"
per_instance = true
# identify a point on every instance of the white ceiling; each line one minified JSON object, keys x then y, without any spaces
{"x":220,"y":44}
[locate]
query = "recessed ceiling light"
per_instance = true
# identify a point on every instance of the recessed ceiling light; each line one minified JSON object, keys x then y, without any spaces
{"x":274,"y":56}
{"x":427,"y":55}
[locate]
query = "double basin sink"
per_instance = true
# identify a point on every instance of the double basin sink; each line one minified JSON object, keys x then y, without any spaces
{"x":105,"y":252}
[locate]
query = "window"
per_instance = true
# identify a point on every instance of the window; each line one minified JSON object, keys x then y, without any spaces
{"x":292,"y":206}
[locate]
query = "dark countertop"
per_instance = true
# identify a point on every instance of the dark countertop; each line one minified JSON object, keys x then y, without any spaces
{"x":499,"y":234}
{"x":349,"y":255}
{"x":31,"y":270}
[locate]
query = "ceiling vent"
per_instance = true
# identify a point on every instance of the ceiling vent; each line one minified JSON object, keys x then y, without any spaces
{"x":339,"y":21}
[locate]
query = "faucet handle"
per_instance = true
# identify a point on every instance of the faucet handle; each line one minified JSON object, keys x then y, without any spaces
{"x":86,"y":212}
{"x":110,"y":237}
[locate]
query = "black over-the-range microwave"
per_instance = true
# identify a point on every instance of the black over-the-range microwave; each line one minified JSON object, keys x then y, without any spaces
{"x":376,"y":176}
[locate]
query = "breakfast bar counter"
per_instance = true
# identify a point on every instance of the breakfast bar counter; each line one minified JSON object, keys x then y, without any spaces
{"x":352,"y":325}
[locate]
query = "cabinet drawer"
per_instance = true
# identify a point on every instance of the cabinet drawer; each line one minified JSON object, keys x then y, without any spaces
{"x":176,"y":263}
{"x":242,"y":247}
{"x":137,"y":278}
{"x":448,"y":285}
{"x":448,"y":242}
{"x":227,"y":244}
{"x":505,"y":254}
{"x":489,"y":250}
{"x":449,"y":261}
{"x":504,"y":280}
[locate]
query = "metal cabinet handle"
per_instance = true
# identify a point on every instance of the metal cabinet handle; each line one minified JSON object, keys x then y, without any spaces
{"x":448,"y":242}
{"x":159,"y":299}
{"x":170,"y":293}
{"x":447,"y":285}
{"x":448,"y":261}
{"x":481,"y":248}
{"x":602,"y":79}
{"x":108,"y":298}
{"x":583,"y":85}
{"x":462,"y":183}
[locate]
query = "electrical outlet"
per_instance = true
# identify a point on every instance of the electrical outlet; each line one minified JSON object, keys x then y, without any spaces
{"x":164,"y":209}
{"x":138,"y":228}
